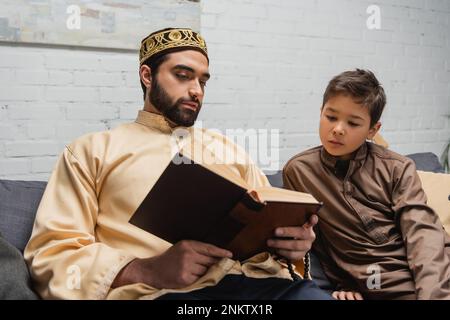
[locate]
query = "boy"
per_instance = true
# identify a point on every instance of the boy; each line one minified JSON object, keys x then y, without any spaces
{"x":376,"y":236}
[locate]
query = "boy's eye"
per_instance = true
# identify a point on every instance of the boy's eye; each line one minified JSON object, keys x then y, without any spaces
{"x":203,"y":83}
{"x":331,"y":118}
{"x":353,"y":124}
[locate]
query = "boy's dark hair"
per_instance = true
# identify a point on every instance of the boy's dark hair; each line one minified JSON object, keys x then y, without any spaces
{"x":363,"y":87}
{"x":153,"y":63}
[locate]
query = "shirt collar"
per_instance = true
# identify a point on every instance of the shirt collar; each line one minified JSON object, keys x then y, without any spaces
{"x":330,"y":160}
{"x":155,"y":121}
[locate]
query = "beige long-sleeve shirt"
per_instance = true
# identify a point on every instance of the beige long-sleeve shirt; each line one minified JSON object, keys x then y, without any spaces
{"x":376,"y":234}
{"x":81,"y":237}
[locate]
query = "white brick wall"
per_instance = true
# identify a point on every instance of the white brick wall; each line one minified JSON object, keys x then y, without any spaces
{"x":50,"y":96}
{"x":270,"y":62}
{"x":291,"y":49}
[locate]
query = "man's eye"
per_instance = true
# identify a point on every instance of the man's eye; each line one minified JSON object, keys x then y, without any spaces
{"x":331,"y":118}
{"x":182,"y":76}
{"x":203,"y":83}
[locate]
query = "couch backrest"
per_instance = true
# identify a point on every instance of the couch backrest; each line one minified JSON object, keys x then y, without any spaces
{"x":19,"y":201}
{"x":426,"y":161}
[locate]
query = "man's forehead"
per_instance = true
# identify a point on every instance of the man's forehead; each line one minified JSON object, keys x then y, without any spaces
{"x":190,"y":58}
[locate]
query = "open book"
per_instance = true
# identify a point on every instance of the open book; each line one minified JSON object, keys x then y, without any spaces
{"x":213,"y":204}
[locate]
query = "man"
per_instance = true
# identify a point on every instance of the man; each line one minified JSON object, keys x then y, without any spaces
{"x":82,"y":245}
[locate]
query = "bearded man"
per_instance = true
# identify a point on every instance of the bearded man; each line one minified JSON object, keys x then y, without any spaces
{"x":83,"y":246}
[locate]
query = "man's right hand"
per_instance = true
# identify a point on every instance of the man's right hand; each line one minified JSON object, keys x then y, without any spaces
{"x":178,"y":267}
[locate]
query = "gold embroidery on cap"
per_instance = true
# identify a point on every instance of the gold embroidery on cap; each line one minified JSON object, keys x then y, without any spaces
{"x":172,"y":38}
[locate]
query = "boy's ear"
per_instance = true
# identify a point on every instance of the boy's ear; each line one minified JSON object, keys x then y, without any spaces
{"x":145,"y":73}
{"x":373,"y":131}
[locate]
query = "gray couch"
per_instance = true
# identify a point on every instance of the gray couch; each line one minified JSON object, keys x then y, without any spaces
{"x":18,"y":204}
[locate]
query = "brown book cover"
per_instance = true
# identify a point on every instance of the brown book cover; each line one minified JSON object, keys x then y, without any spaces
{"x":213,"y":204}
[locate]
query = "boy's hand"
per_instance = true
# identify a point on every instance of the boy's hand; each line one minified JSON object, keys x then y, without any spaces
{"x":347,"y":295}
{"x":302,"y":238}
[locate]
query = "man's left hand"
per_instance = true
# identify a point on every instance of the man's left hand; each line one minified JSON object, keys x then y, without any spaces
{"x":302,"y":238}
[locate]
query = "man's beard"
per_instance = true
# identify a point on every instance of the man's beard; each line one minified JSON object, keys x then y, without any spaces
{"x":175,"y":112}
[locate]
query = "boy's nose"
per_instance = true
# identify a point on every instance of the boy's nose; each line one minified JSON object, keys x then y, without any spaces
{"x":338,"y":130}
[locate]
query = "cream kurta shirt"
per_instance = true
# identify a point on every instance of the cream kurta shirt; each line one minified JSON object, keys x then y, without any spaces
{"x":81,"y":237}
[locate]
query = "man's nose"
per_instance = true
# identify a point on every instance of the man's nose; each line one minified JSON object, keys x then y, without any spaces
{"x":195,"y":90}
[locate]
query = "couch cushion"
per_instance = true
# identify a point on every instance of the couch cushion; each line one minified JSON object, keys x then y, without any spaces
{"x":18,"y":205}
{"x":437,"y":189}
{"x":15,"y":283}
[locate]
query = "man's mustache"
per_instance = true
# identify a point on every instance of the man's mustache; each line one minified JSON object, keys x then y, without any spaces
{"x":195,"y":99}
{"x":189,"y":100}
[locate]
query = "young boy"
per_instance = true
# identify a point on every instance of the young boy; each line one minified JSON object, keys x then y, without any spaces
{"x":376,"y":236}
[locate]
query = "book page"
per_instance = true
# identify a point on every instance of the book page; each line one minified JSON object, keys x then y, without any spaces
{"x":282,"y":195}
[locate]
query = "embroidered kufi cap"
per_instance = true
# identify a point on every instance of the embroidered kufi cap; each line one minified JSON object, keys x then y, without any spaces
{"x":171,"y":40}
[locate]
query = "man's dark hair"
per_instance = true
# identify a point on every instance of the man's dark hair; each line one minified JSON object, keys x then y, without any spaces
{"x":153,"y":63}
{"x":363,"y":87}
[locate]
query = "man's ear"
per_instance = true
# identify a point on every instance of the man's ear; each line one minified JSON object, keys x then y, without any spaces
{"x":373,"y":131}
{"x":145,"y":73}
